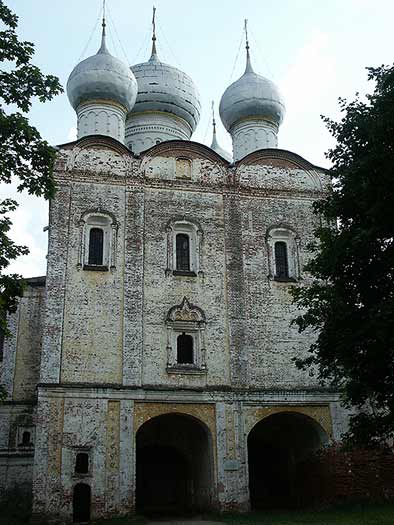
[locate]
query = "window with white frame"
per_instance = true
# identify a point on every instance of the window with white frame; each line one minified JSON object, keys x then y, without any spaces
{"x":184,"y":241}
{"x":186,"y":339}
{"x":97,"y":241}
{"x":283,"y":245}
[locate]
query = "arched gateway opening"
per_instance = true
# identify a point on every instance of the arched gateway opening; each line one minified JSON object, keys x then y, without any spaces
{"x":277,"y":445}
{"x":174,"y":465}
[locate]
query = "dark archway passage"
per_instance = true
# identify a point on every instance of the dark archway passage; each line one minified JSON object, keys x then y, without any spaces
{"x":174,"y":465}
{"x":276,"y":446}
{"x":81,"y":503}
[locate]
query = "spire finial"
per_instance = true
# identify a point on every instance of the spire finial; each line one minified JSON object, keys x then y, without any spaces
{"x":103,"y":47}
{"x":214,"y":140}
{"x":248,"y":68}
{"x":154,"y":50}
{"x":213,"y":117}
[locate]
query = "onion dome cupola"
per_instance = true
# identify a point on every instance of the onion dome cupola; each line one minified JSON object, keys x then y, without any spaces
{"x":102,"y":90}
{"x":167,"y":107}
{"x":252,"y":110}
{"x":215,"y":145}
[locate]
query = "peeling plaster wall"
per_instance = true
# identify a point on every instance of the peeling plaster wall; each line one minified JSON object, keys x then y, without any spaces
{"x":92,"y":339}
{"x":104,"y":333}
{"x":28,"y":353}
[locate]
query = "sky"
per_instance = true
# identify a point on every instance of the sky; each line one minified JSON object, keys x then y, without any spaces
{"x":314,"y":50}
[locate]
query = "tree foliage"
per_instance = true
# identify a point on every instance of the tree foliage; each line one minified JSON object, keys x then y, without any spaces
{"x":24,"y":156}
{"x":350,"y":304}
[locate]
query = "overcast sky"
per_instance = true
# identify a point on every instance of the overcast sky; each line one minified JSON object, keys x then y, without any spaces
{"x":315,"y":50}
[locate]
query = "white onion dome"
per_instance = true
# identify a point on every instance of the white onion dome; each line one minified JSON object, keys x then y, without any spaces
{"x":166,"y":89}
{"x":251,"y":96}
{"x":102,"y":77}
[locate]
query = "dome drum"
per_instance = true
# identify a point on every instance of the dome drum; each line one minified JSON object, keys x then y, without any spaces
{"x":253,"y":134}
{"x":144,"y":130}
{"x":101,"y":118}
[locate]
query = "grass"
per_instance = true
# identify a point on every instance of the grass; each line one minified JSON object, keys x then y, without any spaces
{"x":355,"y":515}
{"x":349,"y":515}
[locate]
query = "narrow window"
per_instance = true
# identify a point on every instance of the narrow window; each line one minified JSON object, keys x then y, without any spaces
{"x":82,"y":463}
{"x":26,"y":439}
{"x":96,"y":245}
{"x":182,"y":252}
{"x":184,"y":349}
{"x":281,"y":262}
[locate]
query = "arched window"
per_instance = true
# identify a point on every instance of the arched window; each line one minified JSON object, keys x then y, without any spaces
{"x":98,"y":241}
{"x":182,"y":252}
{"x":82,"y":463}
{"x":281,"y":260}
{"x":185,"y":349}
{"x":96,"y":246}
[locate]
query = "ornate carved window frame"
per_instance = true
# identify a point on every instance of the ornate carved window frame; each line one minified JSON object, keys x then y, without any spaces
{"x":189,"y":319}
{"x":196,"y":237}
{"x":106,"y":221}
{"x":284,"y":233}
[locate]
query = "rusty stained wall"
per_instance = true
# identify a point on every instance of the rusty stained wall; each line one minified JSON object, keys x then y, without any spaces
{"x":260,"y":308}
{"x":99,"y":427}
{"x":111,"y":325}
{"x":164,"y":290}
{"x":20,"y":368}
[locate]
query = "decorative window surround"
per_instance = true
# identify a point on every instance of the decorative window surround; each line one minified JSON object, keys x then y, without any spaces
{"x":287,"y":235}
{"x":21,"y":437}
{"x":195,"y":234}
{"x":98,"y":219}
{"x":189,"y":319}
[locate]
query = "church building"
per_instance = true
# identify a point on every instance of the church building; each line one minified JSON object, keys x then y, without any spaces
{"x":152,"y":368}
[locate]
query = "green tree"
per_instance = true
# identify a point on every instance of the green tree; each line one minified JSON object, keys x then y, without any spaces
{"x":350,"y":304}
{"x":24,"y":156}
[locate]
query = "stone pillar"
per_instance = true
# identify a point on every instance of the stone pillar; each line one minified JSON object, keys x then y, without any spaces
{"x":233,"y":494}
{"x":102,"y":118}
{"x":251,"y":135}
{"x":127,"y":457}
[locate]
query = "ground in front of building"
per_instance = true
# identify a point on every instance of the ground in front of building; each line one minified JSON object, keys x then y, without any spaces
{"x":347,"y":515}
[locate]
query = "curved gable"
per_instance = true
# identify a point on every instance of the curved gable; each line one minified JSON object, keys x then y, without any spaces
{"x":275,"y":169}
